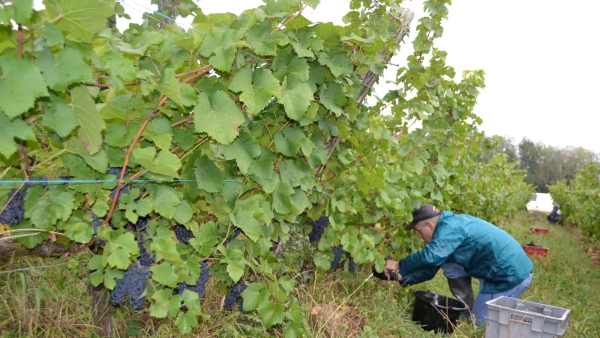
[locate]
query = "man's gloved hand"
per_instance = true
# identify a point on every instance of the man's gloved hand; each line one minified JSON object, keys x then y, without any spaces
{"x":393,"y":275}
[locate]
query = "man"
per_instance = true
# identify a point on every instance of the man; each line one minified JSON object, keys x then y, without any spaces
{"x":554,"y":215}
{"x":484,"y":251}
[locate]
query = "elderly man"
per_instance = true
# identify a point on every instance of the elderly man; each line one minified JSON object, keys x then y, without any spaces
{"x":484,"y":251}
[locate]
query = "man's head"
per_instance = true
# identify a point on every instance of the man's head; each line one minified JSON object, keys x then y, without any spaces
{"x":424,"y":221}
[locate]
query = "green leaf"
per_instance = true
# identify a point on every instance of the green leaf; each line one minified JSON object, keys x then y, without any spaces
{"x":218,"y":116}
{"x":271,"y":314}
{"x":80,"y":232}
{"x":110,"y":274}
{"x":165,"y":201}
{"x":162,"y":303}
{"x":165,"y":248}
{"x":22,"y":82}
{"x":287,"y":283}
{"x":235,"y":264}
{"x":253,"y":296}
{"x":67,"y":69}
{"x":289,"y":140}
{"x":220,"y":43}
{"x":293,"y":171}
{"x":261,"y":40}
{"x":339,"y":63}
{"x":165,"y":163}
{"x":45,"y":209}
{"x":82,"y":18}
{"x":90,"y":122}
{"x":263,"y":166}
{"x":22,"y":12}
{"x":186,"y":321}
{"x":183,"y":213}
{"x":243,"y":150}
{"x":169,"y":86}
{"x":120,"y":68}
{"x":333,"y":98}
{"x":295,"y":97}
{"x":282,"y":198}
{"x":208,"y":175}
{"x":59,"y":116}
{"x":117,"y":252}
{"x":164,"y":274}
{"x":258,"y":88}
{"x":9,"y":131}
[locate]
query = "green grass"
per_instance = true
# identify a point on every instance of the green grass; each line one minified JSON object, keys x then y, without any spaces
{"x":52,"y":301}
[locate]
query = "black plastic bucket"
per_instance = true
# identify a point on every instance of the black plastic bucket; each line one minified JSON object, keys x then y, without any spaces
{"x":436,"y":312}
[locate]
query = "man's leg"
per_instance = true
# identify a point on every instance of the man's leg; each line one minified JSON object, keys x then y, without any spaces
{"x":480,"y":307}
{"x":460,"y":285}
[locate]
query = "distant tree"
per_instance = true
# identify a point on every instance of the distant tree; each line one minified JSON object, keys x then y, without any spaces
{"x":547,"y":165}
{"x":499,"y":145}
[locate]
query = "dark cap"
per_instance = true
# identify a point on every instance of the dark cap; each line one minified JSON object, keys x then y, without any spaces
{"x":426,"y":211}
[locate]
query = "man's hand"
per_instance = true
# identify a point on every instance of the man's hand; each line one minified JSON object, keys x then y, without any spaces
{"x":390,"y":267}
{"x":392,"y":275}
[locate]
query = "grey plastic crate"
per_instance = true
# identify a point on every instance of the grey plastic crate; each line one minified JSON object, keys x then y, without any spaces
{"x":515,"y":318}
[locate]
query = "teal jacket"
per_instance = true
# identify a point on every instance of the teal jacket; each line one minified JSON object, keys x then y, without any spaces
{"x":484,"y":250}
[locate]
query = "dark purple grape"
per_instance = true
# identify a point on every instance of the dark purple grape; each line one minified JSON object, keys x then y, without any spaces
{"x":234,"y":296}
{"x":318,"y":227}
{"x":183,"y":235}
{"x":13,"y":211}
{"x":132,"y":284}
{"x":338,"y":251}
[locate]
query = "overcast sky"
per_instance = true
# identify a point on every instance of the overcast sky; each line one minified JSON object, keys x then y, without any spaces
{"x":540,"y":59}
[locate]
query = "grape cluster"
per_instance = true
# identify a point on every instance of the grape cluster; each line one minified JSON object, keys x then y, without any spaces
{"x":183,"y":235}
{"x":338,"y":263}
{"x":13,"y":211}
{"x":234,"y":296}
{"x":132,"y":284}
{"x":318,"y":227}
{"x":200,"y":285}
{"x":145,"y":259}
{"x":112,"y":21}
{"x":236,"y":233}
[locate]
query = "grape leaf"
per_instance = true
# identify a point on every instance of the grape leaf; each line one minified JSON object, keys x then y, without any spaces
{"x":254,"y":295}
{"x":258,"y":88}
{"x":218,"y":116}
{"x":261,"y":40}
{"x":119,"y":249}
{"x":243,"y":150}
{"x":9,"y":130}
{"x":164,"y":274}
{"x":59,"y":116}
{"x":162,"y":300}
{"x":186,"y":321}
{"x":221,"y":43}
{"x":169,"y":86}
{"x":165,"y":163}
{"x":165,"y":201}
{"x":339,"y":63}
{"x":208,"y":175}
{"x":271,"y":314}
{"x":82,"y":18}
{"x":22,"y":82}
{"x":90,"y":122}
{"x":45,"y":209}
{"x":68,"y":68}
{"x":22,"y":12}
{"x":263,"y":166}
{"x":295,"y":97}
{"x":282,"y":198}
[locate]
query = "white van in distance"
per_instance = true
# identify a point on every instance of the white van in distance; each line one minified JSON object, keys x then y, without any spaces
{"x":540,"y":202}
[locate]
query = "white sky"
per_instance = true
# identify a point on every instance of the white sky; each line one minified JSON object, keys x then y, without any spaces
{"x":540,"y":59}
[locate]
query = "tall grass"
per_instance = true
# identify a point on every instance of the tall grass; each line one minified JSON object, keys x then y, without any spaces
{"x":52,"y":302}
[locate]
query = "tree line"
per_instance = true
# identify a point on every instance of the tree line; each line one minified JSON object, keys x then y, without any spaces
{"x":545,"y":165}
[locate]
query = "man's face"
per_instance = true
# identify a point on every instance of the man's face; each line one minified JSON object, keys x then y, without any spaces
{"x":425,"y":231}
